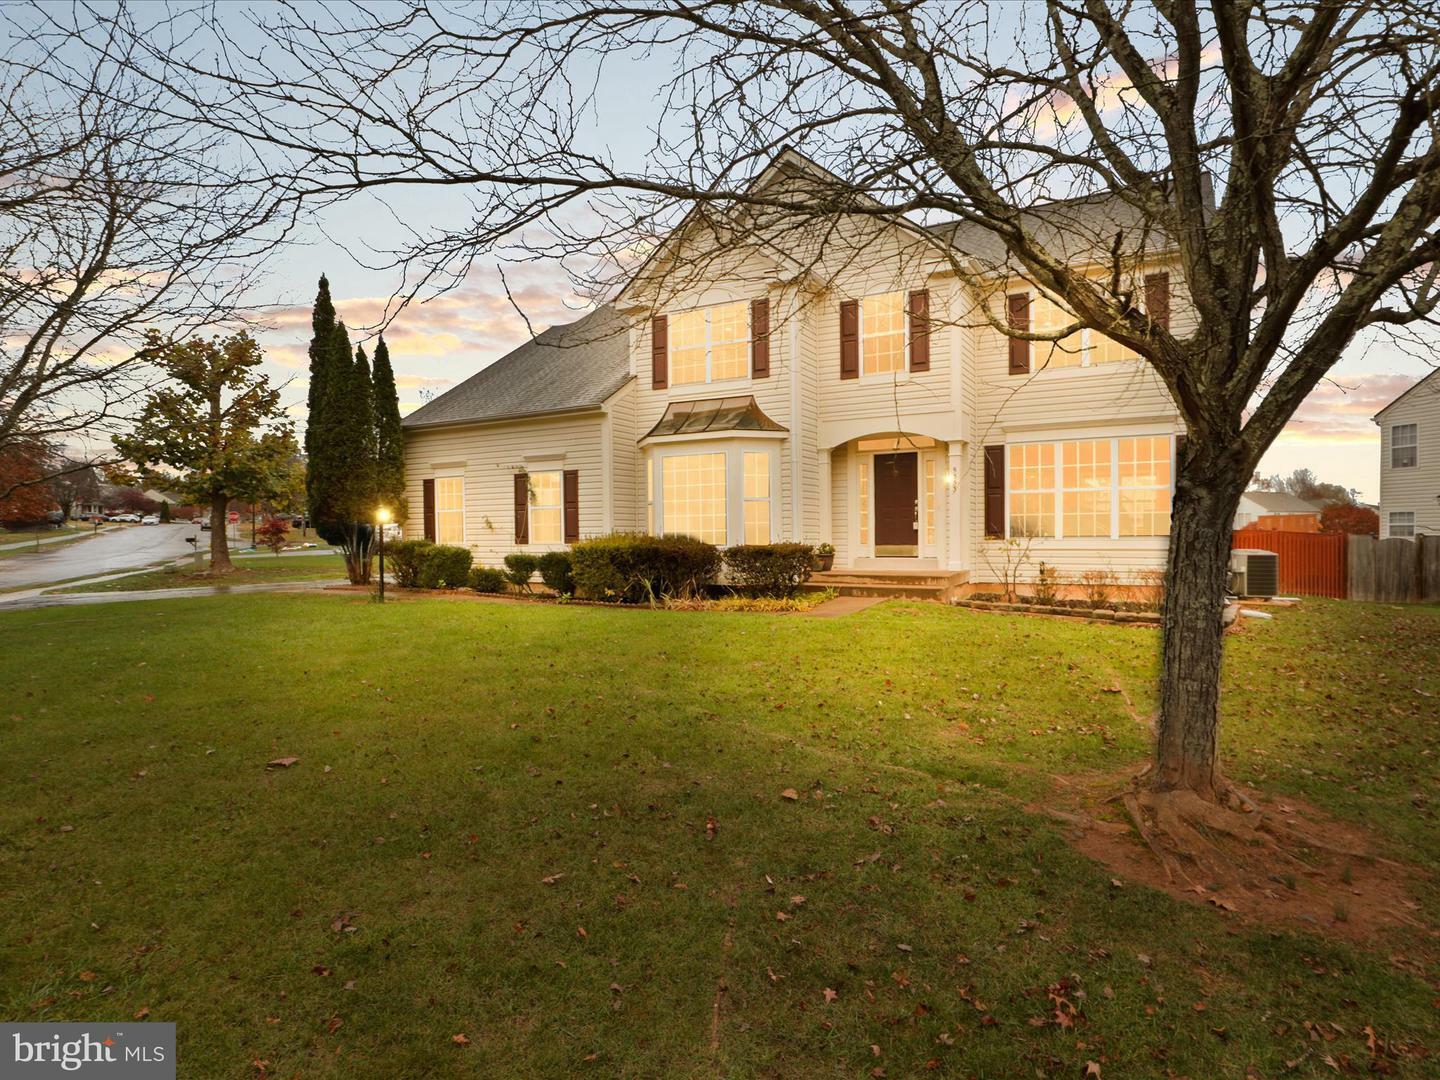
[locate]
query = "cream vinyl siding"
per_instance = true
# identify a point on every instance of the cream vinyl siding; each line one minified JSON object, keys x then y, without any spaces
{"x":488,"y":456}
{"x":1412,"y":489}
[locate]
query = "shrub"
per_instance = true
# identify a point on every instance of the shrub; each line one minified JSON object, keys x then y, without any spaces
{"x":1098,"y":585}
{"x":1046,"y":588}
{"x":557,"y":573}
{"x":487,"y":579}
{"x":520,"y":568}
{"x":634,"y":567}
{"x":776,"y":570}
{"x":404,"y":558}
{"x":444,"y":567}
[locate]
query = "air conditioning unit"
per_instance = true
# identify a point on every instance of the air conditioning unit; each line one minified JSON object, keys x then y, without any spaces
{"x":1254,"y":572}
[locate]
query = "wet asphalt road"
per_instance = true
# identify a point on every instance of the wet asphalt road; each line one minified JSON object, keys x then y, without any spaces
{"x":121,"y":549}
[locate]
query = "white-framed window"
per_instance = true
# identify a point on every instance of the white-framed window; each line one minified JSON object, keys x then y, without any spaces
{"x":450,"y":510}
{"x":932,"y":473}
{"x":1404,"y":446}
{"x":1082,"y":348}
{"x":1402,"y":523}
{"x":862,"y":495}
{"x":694,"y":488}
{"x":1032,"y":489}
{"x":1103,"y":487}
{"x":757,"y":497}
{"x":882,"y":333}
{"x":710,"y":344}
{"x":547,"y":507}
{"x":1086,"y":481}
{"x":650,"y":497}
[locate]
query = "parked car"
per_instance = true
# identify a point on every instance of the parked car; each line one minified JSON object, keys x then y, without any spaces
{"x":150,"y":519}
{"x":393,"y":532}
{"x":128,"y":519}
{"x":204,"y":523}
{"x":300,"y":521}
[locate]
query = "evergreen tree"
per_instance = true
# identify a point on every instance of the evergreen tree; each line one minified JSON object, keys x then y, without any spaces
{"x":389,"y":439}
{"x":317,"y":455}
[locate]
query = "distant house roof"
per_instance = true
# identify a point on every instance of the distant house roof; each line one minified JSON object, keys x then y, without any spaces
{"x":576,"y":365}
{"x":713,"y":415}
{"x":1279,"y":502}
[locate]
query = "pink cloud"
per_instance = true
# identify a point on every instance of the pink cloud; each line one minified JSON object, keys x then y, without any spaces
{"x":1340,"y":409}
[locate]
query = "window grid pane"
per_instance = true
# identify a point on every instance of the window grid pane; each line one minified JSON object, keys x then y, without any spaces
{"x":757,"y":498}
{"x":1402,"y":523}
{"x":1144,"y":480}
{"x":1404,"y":446}
{"x":710,"y":344}
{"x":650,"y":497}
{"x":1046,"y":315}
{"x":1032,"y":489}
{"x":931,"y":467}
{"x":449,"y":510}
{"x":864,"y":503}
{"x":547,"y":522}
{"x":694,"y":487}
{"x":1085,"y":478}
{"x":882,"y":338}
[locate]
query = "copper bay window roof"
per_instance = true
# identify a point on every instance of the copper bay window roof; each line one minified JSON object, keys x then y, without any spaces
{"x":714,"y":416}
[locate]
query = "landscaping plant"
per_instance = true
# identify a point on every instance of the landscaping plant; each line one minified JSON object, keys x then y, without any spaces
{"x":443,"y":566}
{"x":487,"y":579}
{"x":557,"y":573}
{"x":638,"y":568}
{"x":774,"y":570}
{"x":273,"y":534}
{"x":405,"y":557}
{"x":520,"y":567}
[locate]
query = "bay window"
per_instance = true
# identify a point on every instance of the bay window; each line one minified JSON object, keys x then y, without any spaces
{"x":757,"y":498}
{"x":1087,"y":488}
{"x":710,"y":344}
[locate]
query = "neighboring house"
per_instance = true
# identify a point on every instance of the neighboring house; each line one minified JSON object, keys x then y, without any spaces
{"x":1410,"y":461}
{"x":853,"y":394}
{"x":1277,"y":511}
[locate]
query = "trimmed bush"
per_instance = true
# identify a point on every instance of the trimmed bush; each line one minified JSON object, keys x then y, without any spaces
{"x":557,"y":573}
{"x":635,"y":568}
{"x":445,"y":567}
{"x":775,"y":570}
{"x":404,"y":558}
{"x":520,"y":567}
{"x":487,"y":579}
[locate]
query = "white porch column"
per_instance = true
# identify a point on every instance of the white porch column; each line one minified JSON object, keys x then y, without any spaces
{"x":827,"y":520}
{"x":957,"y":507}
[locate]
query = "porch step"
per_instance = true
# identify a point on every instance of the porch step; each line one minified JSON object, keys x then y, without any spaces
{"x":912,"y":584}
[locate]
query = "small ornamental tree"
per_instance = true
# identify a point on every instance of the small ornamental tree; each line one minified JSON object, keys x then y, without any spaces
{"x":216,"y":422}
{"x":273,"y":534}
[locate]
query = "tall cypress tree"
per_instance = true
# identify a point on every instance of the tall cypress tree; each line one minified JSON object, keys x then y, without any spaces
{"x":318,"y":456}
{"x":389,"y":439}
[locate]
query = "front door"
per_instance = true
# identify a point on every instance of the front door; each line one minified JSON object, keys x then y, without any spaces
{"x":897,"y":505}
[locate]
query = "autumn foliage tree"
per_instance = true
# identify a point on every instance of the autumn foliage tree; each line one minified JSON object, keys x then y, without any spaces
{"x":1341,"y":517}
{"x":215,"y":429}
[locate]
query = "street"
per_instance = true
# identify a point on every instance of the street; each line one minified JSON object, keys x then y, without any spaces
{"x":119,"y":549}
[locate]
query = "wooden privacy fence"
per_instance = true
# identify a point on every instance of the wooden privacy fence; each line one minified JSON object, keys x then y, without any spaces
{"x":1311,"y":564}
{"x":1393,"y":571}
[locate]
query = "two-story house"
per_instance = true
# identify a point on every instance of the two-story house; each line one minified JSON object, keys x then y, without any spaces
{"x":1410,"y":461}
{"x":853,"y":388}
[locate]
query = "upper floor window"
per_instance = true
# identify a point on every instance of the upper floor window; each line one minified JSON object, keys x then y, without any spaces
{"x":710,"y":344}
{"x":882,"y":333}
{"x":1402,"y":523}
{"x":1084,"y":347}
{"x":1404,"y":446}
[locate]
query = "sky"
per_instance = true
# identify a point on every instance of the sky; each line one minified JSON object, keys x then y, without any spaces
{"x":440,"y":342}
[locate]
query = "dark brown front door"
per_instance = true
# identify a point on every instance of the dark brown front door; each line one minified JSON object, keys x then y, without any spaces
{"x":896,"y":507}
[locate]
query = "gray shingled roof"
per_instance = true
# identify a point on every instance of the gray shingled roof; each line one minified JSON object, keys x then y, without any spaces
{"x":1280,"y":502}
{"x":574,"y":366}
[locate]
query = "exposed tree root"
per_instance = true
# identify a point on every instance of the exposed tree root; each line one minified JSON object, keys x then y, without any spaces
{"x":1243,"y":855}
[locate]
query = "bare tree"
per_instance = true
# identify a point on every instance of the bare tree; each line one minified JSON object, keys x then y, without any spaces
{"x":114,"y":219}
{"x":1313,"y":122}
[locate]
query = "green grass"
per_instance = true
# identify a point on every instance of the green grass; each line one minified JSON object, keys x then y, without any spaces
{"x":248,"y":571}
{"x":27,"y":539}
{"x":455,"y":756}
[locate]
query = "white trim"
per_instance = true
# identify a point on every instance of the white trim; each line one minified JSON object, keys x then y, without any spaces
{"x":797,"y":472}
{"x":711,"y":436}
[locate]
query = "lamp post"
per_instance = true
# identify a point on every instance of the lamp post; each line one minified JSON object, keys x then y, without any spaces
{"x":382,"y":515}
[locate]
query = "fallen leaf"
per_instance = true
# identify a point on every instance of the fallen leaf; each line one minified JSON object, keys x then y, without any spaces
{"x":281,"y":762}
{"x":142,"y":1012}
{"x":830,"y":995}
{"x":87,"y":976}
{"x":1092,"y":1068}
{"x":333,"y":1024}
{"x":580,"y":932}
{"x":790,"y":794}
{"x":460,"y":1040}
{"x":551,"y":879}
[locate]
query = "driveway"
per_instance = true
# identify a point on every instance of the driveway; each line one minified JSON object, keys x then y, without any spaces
{"x":119,"y":549}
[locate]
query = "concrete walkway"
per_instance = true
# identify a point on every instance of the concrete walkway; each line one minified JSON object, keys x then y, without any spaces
{"x":844,"y":605}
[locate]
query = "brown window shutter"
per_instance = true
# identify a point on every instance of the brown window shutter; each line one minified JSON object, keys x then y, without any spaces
{"x":759,"y":339}
{"x":522,"y":508}
{"x":427,"y":497}
{"x":994,"y":492}
{"x":1017,"y":317}
{"x":920,"y":330}
{"x":659,"y":352}
{"x":850,"y":339}
{"x":572,"y":505}
{"x":1157,"y":298}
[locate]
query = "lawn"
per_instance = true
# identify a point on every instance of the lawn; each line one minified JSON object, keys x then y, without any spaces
{"x":528,"y":840}
{"x":249,"y":570}
{"x":26,"y":540}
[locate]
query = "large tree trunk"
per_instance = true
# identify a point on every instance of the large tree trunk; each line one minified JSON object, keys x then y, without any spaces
{"x":1196,"y":579}
{"x":219,"y":543}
